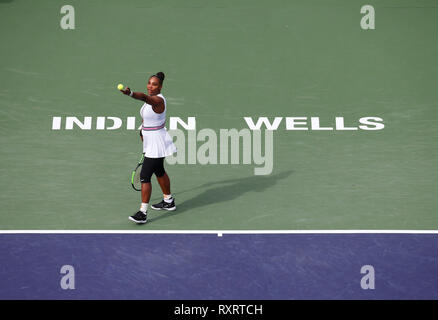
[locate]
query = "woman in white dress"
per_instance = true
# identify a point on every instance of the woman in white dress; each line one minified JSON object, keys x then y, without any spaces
{"x":157,"y":144}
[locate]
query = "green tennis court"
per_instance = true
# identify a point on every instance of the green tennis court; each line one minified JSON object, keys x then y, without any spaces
{"x":223,"y":60}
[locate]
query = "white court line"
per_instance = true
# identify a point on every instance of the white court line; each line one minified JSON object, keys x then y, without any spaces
{"x":218,"y":232}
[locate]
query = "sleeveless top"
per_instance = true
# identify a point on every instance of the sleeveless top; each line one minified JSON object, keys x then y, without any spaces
{"x":151,"y":119}
{"x":157,"y":143}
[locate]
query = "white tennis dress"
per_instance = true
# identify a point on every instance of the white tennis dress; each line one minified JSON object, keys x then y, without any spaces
{"x":157,"y":142}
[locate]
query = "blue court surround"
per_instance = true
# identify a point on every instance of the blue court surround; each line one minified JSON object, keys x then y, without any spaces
{"x":207,"y":267}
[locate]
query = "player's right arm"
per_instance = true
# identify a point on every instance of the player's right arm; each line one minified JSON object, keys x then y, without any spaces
{"x":135,"y":95}
{"x":156,"y":102}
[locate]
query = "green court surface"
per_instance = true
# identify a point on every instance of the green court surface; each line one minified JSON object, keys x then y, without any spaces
{"x":223,"y":60}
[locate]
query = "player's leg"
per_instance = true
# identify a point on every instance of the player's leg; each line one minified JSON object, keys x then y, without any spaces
{"x":164,"y":183}
{"x":168,"y":202}
{"x":147,"y":170}
{"x":146,"y":190}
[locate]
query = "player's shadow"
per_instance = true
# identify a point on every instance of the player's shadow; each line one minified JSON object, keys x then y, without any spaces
{"x":225,"y":190}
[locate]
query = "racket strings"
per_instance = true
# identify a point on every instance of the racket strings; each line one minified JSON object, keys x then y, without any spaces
{"x":136,"y":179}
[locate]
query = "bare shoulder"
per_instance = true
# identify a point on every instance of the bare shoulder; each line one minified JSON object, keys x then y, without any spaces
{"x":158,"y":104}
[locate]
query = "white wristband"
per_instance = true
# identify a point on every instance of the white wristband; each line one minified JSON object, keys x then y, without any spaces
{"x":131,"y":94}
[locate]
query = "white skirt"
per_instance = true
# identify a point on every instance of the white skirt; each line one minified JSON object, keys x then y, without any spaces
{"x":157,"y":143}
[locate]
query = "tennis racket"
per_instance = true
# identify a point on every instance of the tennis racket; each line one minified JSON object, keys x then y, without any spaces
{"x":135,"y":176}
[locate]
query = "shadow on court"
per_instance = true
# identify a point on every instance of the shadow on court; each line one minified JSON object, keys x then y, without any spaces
{"x":6,"y":1}
{"x":226,"y":190}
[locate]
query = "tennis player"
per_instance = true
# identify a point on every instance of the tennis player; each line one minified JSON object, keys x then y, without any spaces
{"x":157,"y":144}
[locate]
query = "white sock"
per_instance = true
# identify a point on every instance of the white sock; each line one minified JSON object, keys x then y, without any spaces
{"x":144,"y":207}
{"x":167,"y":198}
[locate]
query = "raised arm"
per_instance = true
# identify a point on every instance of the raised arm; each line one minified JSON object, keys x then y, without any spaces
{"x":156,"y":102}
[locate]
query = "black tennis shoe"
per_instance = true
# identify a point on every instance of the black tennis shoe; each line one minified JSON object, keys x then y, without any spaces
{"x":163,"y":205}
{"x":139,"y":217}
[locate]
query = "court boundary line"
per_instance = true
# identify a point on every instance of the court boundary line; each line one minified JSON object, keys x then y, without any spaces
{"x":219,"y":232}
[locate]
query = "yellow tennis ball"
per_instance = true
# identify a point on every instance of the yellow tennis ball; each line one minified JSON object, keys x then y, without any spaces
{"x":120,"y":86}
